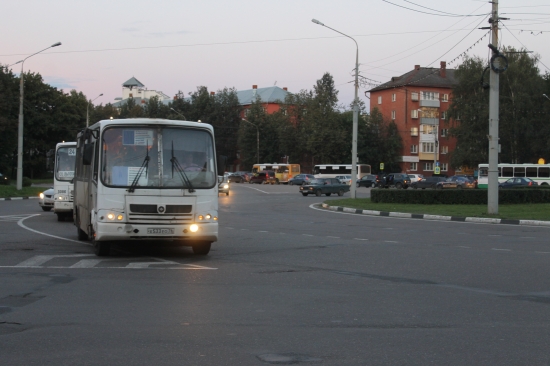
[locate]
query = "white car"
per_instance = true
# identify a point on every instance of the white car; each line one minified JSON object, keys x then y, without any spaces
{"x":46,"y":199}
{"x":415,"y":177}
{"x":344,"y":179}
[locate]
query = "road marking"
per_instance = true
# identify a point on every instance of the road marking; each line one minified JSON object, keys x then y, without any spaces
{"x":390,"y":241}
{"x":12,"y":218}
{"x":527,"y":237}
{"x":307,"y":235}
{"x":334,"y":237}
{"x":494,"y":235}
{"x":20,"y":223}
{"x":361,"y":239}
{"x":86,"y":263}
{"x":462,"y":246}
{"x":263,"y":231}
{"x":38,"y":260}
{"x":504,"y":250}
{"x":543,"y":252}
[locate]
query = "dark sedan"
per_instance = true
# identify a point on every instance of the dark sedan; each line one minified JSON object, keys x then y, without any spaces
{"x":369,"y":181}
{"x":428,"y":182}
{"x":326,"y":186}
{"x":518,"y":183}
{"x":236,"y":178}
{"x":301,"y":179}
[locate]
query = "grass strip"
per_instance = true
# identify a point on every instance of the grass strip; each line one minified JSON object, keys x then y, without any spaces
{"x":539,"y":211}
{"x":11,"y":191}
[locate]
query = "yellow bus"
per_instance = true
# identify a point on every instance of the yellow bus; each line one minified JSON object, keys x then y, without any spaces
{"x":283,"y":172}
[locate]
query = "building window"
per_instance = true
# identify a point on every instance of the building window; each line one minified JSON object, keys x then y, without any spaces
{"x":443,"y":115}
{"x":393,"y":97}
{"x":444,"y":132}
{"x":393,"y":115}
{"x":427,"y":129}
{"x":414,"y":97}
{"x":380,"y":100}
{"x":246,"y":112}
{"x":414,"y":131}
{"x":414,"y":113}
{"x":445,"y":97}
{"x":444,"y":149}
{"x":414,"y":167}
{"x":444,"y":167}
{"x":428,"y":147}
{"x":428,"y":167}
{"x":426,"y":95}
{"x":414,"y":149}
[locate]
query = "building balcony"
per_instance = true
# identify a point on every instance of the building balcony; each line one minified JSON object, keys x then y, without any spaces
{"x":429,"y":121}
{"x":430,"y":103}
{"x":427,"y":156}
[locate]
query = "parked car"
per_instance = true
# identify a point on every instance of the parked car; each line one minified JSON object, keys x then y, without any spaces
{"x":245,"y":175}
{"x":345,"y":179}
{"x":428,"y":182}
{"x":447,"y":183}
{"x":223,"y":187}
{"x":46,"y":199}
{"x":264,"y":177}
{"x":326,"y":186}
{"x":416,"y":177}
{"x":471,"y":177}
{"x":301,"y":179}
{"x":518,"y":183}
{"x":463,"y":181}
{"x":397,"y":180}
{"x":369,"y":181}
{"x":236,"y":178}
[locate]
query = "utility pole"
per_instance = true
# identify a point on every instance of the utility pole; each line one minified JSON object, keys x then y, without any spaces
{"x":492,"y":189}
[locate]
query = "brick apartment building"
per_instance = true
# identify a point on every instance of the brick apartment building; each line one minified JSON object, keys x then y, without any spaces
{"x":417,"y":102}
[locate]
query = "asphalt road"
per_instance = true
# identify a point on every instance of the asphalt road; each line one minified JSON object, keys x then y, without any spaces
{"x":288,"y":283}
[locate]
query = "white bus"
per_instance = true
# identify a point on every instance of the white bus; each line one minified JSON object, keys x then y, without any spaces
{"x":65,"y":154}
{"x":132,"y":183}
{"x":540,"y":173}
{"x":333,"y":170}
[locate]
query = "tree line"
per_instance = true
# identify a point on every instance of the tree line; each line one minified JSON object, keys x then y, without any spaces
{"x":310,"y":128}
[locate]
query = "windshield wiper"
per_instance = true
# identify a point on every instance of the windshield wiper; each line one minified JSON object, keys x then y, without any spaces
{"x":180,"y":170}
{"x":144,"y":166}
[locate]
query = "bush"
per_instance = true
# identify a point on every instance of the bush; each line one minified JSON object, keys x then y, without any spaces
{"x":27,"y":182}
{"x":460,"y":196}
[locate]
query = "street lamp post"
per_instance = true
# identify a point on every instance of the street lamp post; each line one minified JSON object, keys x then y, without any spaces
{"x":179,"y":114}
{"x":355,"y":114}
{"x":436,"y":144}
{"x":20,"y":132}
{"x":546,"y":96}
{"x":257,"y":140}
{"x":88,"y":108}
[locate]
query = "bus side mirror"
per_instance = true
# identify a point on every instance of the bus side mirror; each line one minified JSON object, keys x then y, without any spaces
{"x":88,"y":154}
{"x":222,"y":160}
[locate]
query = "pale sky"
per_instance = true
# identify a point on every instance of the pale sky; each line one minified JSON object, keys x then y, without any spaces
{"x":173,"y":45}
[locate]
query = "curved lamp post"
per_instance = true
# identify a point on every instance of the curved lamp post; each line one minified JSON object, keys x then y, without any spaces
{"x":185,"y":119}
{"x":257,"y":139}
{"x":20,"y":133}
{"x":546,"y":96}
{"x":88,"y":108}
{"x":355,"y":114}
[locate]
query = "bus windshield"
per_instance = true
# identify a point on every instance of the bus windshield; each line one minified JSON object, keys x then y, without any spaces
{"x":157,"y":156}
{"x":65,"y":157}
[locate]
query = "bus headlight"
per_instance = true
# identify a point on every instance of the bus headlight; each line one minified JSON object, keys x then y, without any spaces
{"x":111,"y":216}
{"x":120,"y":217}
{"x":208,"y":216}
{"x":194,"y":228}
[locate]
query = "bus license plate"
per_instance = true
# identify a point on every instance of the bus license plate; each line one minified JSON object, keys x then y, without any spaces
{"x":163,"y":231}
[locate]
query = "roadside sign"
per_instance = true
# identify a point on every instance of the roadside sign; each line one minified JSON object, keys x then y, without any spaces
{"x":437,"y":170}
{"x":381,"y":166}
{"x":437,"y":163}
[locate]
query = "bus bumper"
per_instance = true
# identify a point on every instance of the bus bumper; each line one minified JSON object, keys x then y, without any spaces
{"x":62,"y":206}
{"x":123,"y":231}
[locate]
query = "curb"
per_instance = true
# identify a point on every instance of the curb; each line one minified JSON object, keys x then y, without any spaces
{"x":17,"y":198}
{"x":480,"y":220}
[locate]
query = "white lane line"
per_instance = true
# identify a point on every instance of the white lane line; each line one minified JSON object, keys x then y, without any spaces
{"x":20,"y":223}
{"x":361,"y":239}
{"x":334,"y":237}
{"x":230,"y":228}
{"x":504,"y":250}
{"x":38,"y":260}
{"x":263,"y":231}
{"x":390,"y":241}
{"x":494,"y":235}
{"x":462,"y":246}
{"x":543,"y":252}
{"x":527,"y":237}
{"x":86,"y":263}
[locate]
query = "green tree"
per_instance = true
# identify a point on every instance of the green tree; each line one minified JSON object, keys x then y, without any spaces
{"x":9,"y":110}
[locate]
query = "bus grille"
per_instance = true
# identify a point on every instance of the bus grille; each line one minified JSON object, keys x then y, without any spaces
{"x":150,"y":213}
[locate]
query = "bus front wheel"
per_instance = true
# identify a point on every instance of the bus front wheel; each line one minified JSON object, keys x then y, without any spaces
{"x":202,"y":248}
{"x":102,"y":248}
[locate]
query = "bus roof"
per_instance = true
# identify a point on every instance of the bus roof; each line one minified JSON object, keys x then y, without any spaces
{"x":61,"y":144}
{"x":149,"y":121}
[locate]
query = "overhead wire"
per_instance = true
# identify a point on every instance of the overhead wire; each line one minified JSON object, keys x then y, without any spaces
{"x":441,"y":15}
{"x":513,"y":35}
